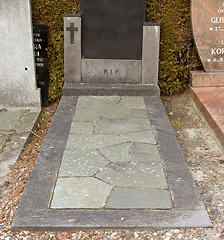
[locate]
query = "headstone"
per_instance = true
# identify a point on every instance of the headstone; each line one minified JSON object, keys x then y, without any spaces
{"x":41,"y":62}
{"x":208,"y":29}
{"x":18,"y":86}
{"x":109,"y":46}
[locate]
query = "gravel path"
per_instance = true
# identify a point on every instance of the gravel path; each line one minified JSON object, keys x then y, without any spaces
{"x":203,"y":153}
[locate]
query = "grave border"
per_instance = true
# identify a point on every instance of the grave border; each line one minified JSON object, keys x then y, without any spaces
{"x":34,"y":214}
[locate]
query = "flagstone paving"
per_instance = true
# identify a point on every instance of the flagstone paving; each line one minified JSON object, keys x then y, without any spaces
{"x":111,"y":158}
{"x":108,"y":163}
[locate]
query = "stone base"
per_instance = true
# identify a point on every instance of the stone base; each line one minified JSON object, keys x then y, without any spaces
{"x":206,"y":79}
{"x":88,"y":89}
{"x":209,"y":102}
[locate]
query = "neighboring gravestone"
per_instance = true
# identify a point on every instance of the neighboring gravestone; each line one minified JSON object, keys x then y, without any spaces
{"x":40,"y":53}
{"x":17,"y":75}
{"x":208,"y":30}
{"x":108,"y":46}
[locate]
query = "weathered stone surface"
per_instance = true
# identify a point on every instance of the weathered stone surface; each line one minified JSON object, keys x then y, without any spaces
{"x":127,"y":198}
{"x":72,"y":51}
{"x":117,"y":153}
{"x":206,"y":79}
{"x":96,"y":101}
{"x":81,"y":163}
{"x":82,"y":127}
{"x":140,"y":175}
{"x":150,"y":53}
{"x":138,"y":113}
{"x":111,"y":71}
{"x":8,"y":120}
{"x":85,"y":192}
{"x":141,"y":136}
{"x":118,"y":126}
{"x":87,"y":114}
{"x":208,"y":26}
{"x":27,"y":122}
{"x":113,"y":111}
{"x":133,"y":102}
{"x":17,"y":76}
{"x":92,"y":141}
{"x":143,"y":148}
{"x":3,"y":138}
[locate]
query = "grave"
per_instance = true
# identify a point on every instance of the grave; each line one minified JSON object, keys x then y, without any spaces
{"x":110,"y":50}
{"x":208,"y":28}
{"x":18,"y":86}
{"x":114,"y":160}
{"x":207,"y":86}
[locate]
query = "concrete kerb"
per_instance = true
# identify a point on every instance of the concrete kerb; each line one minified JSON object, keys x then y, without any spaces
{"x":34,"y":212}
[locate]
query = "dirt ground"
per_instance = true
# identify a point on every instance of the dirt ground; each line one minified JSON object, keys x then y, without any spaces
{"x":203,"y":154}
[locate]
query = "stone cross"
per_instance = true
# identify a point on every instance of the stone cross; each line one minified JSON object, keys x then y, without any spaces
{"x":72,"y":29}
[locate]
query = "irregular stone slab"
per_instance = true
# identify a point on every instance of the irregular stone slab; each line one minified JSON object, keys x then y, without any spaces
{"x":138,"y":113}
{"x":87,"y":114}
{"x":118,"y":126}
{"x":126,"y":198}
{"x":133,"y":102}
{"x":27,"y":122}
{"x":143,"y":137}
{"x":113,"y":111}
{"x":96,"y":101}
{"x":85,"y":192}
{"x":82,"y":127}
{"x":92,"y":141}
{"x":81,"y":163}
{"x":8,"y":120}
{"x":3,"y":139}
{"x":117,"y":153}
{"x":152,"y":156}
{"x":142,"y":148}
{"x":140,"y":175}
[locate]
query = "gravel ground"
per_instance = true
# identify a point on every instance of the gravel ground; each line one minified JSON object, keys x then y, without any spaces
{"x":205,"y":158}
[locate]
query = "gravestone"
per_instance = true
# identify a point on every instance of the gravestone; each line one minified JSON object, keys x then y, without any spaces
{"x":18,"y":86}
{"x":110,"y":50}
{"x":41,"y":62}
{"x":208,"y":30}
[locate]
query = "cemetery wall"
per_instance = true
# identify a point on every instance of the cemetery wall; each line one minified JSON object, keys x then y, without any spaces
{"x":177,"y":51}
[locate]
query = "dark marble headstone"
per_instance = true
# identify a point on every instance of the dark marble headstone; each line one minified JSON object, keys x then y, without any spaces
{"x":40,"y":53}
{"x":208,"y":30}
{"x":112,"y":29}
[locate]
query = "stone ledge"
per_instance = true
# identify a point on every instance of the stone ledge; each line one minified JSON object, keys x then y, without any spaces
{"x":206,"y":79}
{"x":86,"y":89}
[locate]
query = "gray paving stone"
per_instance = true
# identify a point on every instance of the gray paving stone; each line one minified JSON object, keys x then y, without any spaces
{"x":92,"y":141}
{"x":133,"y":102}
{"x":113,"y":111}
{"x":86,"y":114}
{"x":127,"y":198}
{"x":139,"y":113}
{"x":117,"y":153}
{"x":146,"y":157}
{"x":141,"y":136}
{"x":81,"y":163}
{"x":84,"y":192}
{"x":135,"y":175}
{"x":118,"y":126}
{"x":8,"y":120}
{"x":142,"y":148}
{"x":27,"y":122}
{"x":82,"y":127}
{"x":96,"y":101}
{"x":3,"y":138}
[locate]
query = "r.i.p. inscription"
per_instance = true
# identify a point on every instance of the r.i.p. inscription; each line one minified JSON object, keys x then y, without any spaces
{"x":208,"y":29}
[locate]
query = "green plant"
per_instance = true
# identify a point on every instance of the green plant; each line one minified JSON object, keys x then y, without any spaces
{"x":177,"y":53}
